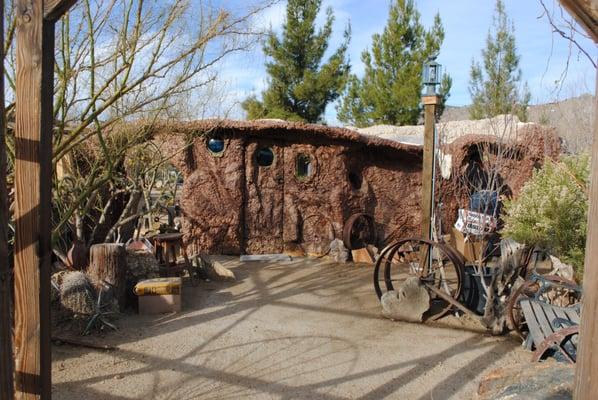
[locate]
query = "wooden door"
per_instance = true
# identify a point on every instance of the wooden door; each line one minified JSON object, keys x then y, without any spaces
{"x":264,"y":203}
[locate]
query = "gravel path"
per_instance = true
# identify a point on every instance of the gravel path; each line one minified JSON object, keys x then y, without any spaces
{"x":306,"y":329}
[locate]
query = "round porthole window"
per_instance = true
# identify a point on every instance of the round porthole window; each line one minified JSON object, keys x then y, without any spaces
{"x":264,"y":157}
{"x":303,"y":166}
{"x":215,"y":145}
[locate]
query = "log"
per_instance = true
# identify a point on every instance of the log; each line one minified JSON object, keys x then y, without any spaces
{"x":108,"y":264}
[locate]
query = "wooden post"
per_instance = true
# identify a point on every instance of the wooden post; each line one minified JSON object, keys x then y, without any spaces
{"x":6,"y":360}
{"x":586,"y":373}
{"x":33,"y":183}
{"x":108,"y":263}
{"x":430,"y":103}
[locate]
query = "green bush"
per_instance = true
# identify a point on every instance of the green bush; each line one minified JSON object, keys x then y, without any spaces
{"x":551,"y":211}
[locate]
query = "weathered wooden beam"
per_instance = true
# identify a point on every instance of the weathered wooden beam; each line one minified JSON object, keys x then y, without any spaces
{"x":33,"y":179}
{"x":6,"y":359}
{"x":586,"y":372}
{"x":54,"y":9}
{"x":430,"y":103}
{"x":585,"y":13}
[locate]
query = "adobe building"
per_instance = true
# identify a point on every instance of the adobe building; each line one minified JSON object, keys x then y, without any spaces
{"x":269,"y":186}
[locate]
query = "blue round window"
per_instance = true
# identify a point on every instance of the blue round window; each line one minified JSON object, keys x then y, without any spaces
{"x":216,"y":145}
{"x":264,"y":157}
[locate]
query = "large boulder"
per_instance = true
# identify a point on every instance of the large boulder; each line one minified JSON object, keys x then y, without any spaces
{"x":409,"y":303}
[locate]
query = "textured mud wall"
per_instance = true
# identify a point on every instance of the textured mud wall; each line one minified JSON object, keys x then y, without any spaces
{"x":231,"y":205}
{"x":389,"y":189}
{"x":515,"y":168}
{"x":315,"y":205}
{"x":212,"y":197}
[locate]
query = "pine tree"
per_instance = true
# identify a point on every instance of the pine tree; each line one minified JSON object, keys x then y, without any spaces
{"x":496,"y":89}
{"x":390,"y":90}
{"x":300,"y":85}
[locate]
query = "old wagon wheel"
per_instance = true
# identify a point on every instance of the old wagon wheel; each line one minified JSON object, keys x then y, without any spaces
{"x":410,"y":258}
{"x":538,"y":287}
{"x":359,"y":231}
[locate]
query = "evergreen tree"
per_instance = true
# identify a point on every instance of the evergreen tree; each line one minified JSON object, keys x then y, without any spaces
{"x":300,"y":86}
{"x":496,"y":89}
{"x":391,"y":88}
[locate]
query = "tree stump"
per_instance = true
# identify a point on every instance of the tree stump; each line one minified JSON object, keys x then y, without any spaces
{"x":108,"y":264}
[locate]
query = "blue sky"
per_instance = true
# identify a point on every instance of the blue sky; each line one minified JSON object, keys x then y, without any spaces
{"x":544,"y":55}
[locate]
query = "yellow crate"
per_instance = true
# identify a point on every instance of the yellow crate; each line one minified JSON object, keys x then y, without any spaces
{"x":159,"y":286}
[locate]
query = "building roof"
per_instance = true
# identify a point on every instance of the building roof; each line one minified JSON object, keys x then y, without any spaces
{"x":506,"y":127}
{"x":280,"y":129}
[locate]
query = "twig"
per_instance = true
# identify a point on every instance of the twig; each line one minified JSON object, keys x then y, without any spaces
{"x":83,"y":343}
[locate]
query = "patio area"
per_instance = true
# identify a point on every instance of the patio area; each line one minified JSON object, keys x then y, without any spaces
{"x":305,"y":329}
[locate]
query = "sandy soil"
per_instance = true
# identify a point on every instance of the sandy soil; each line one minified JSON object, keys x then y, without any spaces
{"x":305,"y":329}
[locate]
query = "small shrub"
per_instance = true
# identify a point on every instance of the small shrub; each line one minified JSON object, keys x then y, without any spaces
{"x":551,"y":211}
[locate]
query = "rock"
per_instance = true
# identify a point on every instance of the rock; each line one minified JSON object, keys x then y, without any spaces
{"x":338,"y":251}
{"x":548,"y":380}
{"x":215,"y":271}
{"x":408,"y":304}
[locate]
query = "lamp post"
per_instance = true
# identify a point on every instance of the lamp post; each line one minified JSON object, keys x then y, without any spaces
{"x":430,"y":100}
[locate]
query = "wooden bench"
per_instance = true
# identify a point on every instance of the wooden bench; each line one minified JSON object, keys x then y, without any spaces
{"x":552,"y":330}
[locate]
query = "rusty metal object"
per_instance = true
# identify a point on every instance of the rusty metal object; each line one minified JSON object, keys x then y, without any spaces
{"x":359,"y":231}
{"x":561,"y":342}
{"x":408,"y":258}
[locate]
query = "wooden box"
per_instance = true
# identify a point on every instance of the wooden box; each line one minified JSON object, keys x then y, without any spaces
{"x":159,"y":304}
{"x":470,"y":249}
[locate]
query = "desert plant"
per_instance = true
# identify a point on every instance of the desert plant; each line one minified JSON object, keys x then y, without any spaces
{"x":551,"y":211}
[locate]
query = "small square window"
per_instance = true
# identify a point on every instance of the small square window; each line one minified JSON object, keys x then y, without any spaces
{"x":303,"y":166}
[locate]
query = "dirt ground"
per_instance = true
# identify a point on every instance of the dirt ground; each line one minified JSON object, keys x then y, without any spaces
{"x":306,"y":329}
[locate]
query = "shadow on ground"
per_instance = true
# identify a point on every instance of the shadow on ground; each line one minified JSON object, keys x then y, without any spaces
{"x":305,"y":329}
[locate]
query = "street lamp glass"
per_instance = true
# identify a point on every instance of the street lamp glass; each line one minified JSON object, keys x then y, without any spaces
{"x":431,"y":74}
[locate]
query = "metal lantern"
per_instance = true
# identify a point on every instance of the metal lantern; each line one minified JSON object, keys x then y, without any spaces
{"x":432,"y":72}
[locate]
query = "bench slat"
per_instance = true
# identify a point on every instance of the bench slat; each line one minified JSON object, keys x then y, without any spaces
{"x":532,"y":321}
{"x":544,"y":317}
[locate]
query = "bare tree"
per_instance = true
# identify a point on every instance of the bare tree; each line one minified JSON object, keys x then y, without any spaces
{"x":120,"y":61}
{"x":565,"y":26}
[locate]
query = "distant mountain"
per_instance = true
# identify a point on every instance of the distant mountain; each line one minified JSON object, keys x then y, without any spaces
{"x":572,"y":118}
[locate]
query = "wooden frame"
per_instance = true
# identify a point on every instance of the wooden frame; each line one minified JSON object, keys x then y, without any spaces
{"x":586,"y":370}
{"x":33,"y":176}
{"x":33,"y":137}
{"x":6,"y":366}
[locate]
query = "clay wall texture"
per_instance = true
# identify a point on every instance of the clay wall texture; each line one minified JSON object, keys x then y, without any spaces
{"x":231,"y":205}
